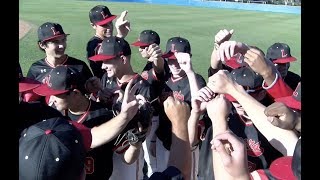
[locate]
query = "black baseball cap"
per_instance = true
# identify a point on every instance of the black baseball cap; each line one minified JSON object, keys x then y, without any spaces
{"x":53,"y":149}
{"x":176,"y":44}
{"x":101,"y":15}
{"x":247,"y":78}
{"x":48,"y":31}
{"x":279,"y":53}
{"x":146,"y":38}
{"x":61,"y":79}
{"x":112,"y":47}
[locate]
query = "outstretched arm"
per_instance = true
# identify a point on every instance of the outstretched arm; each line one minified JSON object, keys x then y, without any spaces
{"x":109,"y":130}
{"x":178,"y":113}
{"x":281,"y":139}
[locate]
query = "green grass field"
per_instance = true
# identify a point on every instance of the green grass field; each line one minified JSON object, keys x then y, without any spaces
{"x":198,"y":25}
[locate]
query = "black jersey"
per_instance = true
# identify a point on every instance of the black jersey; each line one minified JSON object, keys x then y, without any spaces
{"x":292,"y":80}
{"x":98,"y":162}
{"x":180,"y":89}
{"x":145,"y":89}
{"x":40,"y":69}
{"x":156,"y":80}
{"x":259,"y":151}
{"x":92,"y":48}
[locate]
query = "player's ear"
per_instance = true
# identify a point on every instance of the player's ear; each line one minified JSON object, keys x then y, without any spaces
{"x":124,"y":59}
{"x":93,"y":25}
{"x":42,"y":45}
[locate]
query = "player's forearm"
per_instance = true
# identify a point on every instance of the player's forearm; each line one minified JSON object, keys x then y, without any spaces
{"x":215,"y":63}
{"x":281,"y":139}
{"x":193,"y":128}
{"x":193,"y":83}
{"x":109,"y":130}
{"x":219,"y":125}
{"x":180,"y":152}
{"x":132,"y":153}
{"x":158,"y":65}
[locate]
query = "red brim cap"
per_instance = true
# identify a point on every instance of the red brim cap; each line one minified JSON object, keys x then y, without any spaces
{"x":86,"y":134}
{"x":139,"y":43}
{"x":281,"y":168}
{"x":54,"y":37}
{"x":290,"y":102}
{"x":44,"y":90}
{"x":232,"y":63}
{"x":101,"y":57}
{"x":169,"y":55}
{"x":27,"y":84}
{"x":284,"y":60}
{"x":106,"y":21}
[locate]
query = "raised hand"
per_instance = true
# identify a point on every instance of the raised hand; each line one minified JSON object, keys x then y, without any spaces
{"x":123,"y":25}
{"x":154,"y":52}
{"x":93,"y":84}
{"x":177,"y":111}
{"x":281,"y":116}
{"x":235,"y":160}
{"x":219,"y":106}
{"x":229,"y":48}
{"x":256,"y":60}
{"x":222,"y":36}
{"x":221,"y":83}
{"x":184,"y":61}
{"x":130,"y":104}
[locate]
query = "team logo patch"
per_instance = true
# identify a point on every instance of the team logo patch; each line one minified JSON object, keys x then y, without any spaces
{"x":89,"y":165}
{"x":253,"y":148}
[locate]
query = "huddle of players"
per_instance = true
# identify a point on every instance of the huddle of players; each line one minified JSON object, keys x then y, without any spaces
{"x":165,"y":74}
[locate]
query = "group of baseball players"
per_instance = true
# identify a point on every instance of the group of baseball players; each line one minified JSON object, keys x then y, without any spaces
{"x":107,"y":121}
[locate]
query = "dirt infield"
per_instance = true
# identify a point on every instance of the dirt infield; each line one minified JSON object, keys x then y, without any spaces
{"x":24,"y":28}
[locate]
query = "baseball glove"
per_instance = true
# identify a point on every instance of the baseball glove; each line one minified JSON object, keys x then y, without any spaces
{"x":131,"y":132}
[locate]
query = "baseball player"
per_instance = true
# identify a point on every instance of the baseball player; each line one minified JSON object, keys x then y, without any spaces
{"x":280,"y":55}
{"x":53,"y":41}
{"x":66,"y":152}
{"x":67,"y":95}
{"x":115,"y":54}
{"x":30,"y":112}
{"x":101,"y":21}
{"x":148,"y":43}
{"x":182,"y":83}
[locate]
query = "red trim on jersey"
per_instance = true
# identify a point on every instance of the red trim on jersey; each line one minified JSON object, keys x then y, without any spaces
{"x":84,"y":115}
{"x":177,"y":79}
{"x":51,"y":65}
{"x":279,"y":89}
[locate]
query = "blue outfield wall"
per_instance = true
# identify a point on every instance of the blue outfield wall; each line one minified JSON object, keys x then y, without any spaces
{"x":225,"y":5}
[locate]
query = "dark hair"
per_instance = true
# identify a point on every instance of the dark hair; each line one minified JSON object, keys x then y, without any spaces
{"x":44,"y":43}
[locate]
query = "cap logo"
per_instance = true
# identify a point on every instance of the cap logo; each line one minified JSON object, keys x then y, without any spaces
{"x":172,"y":48}
{"x":54,"y":31}
{"x":103,"y":15}
{"x":283,"y":53}
{"x":295,"y":94}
